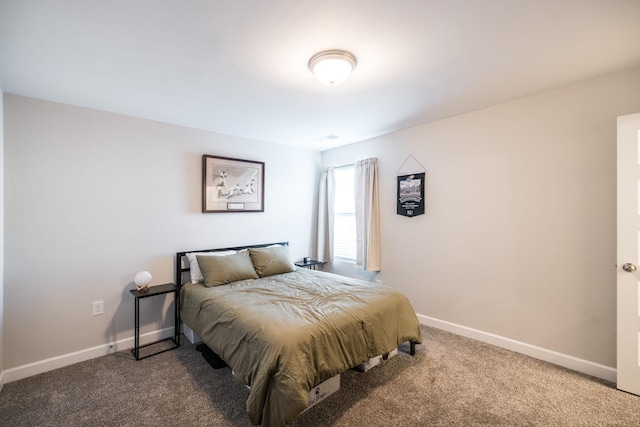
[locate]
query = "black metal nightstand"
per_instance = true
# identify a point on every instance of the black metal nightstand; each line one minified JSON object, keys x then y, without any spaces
{"x":153,"y":291}
{"x":311,"y":264}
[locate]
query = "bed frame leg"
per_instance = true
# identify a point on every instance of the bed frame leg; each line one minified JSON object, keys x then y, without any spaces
{"x":413,"y":348}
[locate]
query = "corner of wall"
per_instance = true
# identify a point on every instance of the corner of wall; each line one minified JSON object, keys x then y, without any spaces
{"x":1,"y":239}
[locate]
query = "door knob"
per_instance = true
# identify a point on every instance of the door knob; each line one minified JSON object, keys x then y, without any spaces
{"x":629,"y":268}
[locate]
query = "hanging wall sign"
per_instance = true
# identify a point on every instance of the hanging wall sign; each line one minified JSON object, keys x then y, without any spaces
{"x":410,"y":183}
{"x":411,"y":194}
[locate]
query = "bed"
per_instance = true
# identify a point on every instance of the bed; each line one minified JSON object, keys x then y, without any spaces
{"x":283,"y":330}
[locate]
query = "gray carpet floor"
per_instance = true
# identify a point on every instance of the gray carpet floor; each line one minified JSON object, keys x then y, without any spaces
{"x":451,"y":381}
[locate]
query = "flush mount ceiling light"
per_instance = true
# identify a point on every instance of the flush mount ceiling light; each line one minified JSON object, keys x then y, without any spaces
{"x":332,"y":67}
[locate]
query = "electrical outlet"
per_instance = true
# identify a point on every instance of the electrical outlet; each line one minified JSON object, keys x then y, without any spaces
{"x":379,"y":281}
{"x":98,"y":307}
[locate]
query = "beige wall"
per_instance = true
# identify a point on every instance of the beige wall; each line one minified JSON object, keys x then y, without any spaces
{"x":518,"y":238}
{"x":92,"y":198}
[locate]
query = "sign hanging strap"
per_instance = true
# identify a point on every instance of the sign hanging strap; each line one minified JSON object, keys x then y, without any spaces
{"x":407,"y":169}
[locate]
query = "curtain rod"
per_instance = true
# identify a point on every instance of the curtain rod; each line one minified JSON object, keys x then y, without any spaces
{"x":344,"y":166}
{"x":340,"y":166}
{"x":352,"y":163}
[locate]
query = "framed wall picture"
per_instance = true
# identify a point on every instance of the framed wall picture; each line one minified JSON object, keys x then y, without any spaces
{"x":232,"y":185}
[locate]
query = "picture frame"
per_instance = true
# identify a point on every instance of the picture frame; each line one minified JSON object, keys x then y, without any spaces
{"x":232,"y":185}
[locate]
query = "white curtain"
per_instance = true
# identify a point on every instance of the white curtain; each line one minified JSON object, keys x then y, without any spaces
{"x":326,"y":197}
{"x":367,"y":214}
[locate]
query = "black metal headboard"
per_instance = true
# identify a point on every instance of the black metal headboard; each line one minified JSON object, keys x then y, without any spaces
{"x":181,"y":269}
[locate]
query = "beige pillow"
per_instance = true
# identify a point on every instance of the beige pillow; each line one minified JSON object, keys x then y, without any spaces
{"x":194,"y":273}
{"x":226,"y":269}
{"x":271,"y":260}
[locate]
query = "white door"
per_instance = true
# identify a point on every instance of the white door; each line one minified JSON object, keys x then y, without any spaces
{"x":628,"y":259}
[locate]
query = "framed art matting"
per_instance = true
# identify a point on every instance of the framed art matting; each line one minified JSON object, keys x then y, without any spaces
{"x":232,"y":185}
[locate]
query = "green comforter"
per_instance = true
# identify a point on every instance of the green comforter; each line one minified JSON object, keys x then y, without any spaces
{"x":284,"y":334}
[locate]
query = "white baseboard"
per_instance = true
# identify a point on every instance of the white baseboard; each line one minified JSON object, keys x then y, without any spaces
{"x":590,"y":368}
{"x":1,"y":380}
{"x":30,"y":369}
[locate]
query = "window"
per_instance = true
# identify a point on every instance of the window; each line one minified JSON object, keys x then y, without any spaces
{"x":344,"y":221}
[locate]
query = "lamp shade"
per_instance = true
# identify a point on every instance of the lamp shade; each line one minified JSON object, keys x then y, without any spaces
{"x":332,"y":67}
{"x":142,"y":279}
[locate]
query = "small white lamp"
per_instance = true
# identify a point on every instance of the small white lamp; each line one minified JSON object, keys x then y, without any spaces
{"x":142,"y":281}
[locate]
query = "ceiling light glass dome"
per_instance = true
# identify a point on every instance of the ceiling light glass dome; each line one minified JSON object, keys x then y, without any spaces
{"x":332,"y":67}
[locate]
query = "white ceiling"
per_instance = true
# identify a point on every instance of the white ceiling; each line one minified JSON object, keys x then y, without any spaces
{"x":240,"y":67}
